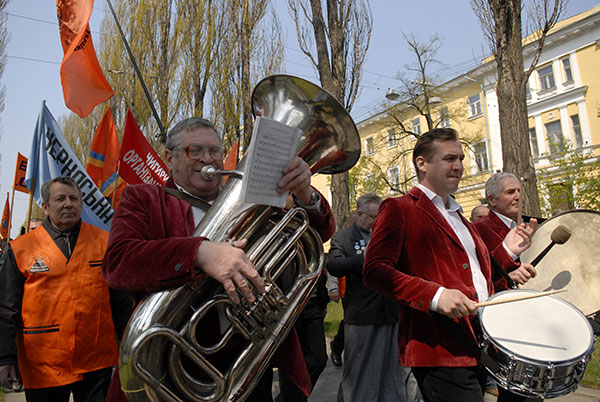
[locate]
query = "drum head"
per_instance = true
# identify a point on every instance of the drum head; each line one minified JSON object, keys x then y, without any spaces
{"x":574,"y":265}
{"x":544,"y":329}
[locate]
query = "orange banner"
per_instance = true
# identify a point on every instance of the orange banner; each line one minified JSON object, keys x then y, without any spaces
{"x":103,"y":159}
{"x":20,"y":172}
{"x":84,"y":84}
{"x":5,"y":219}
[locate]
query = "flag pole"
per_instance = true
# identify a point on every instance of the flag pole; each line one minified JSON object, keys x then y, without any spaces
{"x":12,"y":207}
{"x":162,"y":134}
{"x":116,"y":183}
{"x":28,"y":218}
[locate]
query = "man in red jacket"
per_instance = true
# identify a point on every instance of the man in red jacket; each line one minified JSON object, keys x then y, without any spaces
{"x":425,"y":255}
{"x":151,"y":246}
{"x":502,"y":191}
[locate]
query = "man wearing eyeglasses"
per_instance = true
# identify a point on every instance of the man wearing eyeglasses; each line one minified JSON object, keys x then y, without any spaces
{"x":371,"y":371}
{"x":151,"y":245}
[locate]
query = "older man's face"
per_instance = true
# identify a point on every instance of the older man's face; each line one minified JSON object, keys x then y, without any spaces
{"x":64,"y":206}
{"x":507,"y":202}
{"x":186,"y":171}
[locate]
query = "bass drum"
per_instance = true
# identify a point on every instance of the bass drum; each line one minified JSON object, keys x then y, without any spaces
{"x":574,"y":265}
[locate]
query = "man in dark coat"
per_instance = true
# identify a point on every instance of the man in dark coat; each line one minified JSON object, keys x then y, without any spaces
{"x":371,"y":369}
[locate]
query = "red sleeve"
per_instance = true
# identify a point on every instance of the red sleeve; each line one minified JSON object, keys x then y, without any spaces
{"x":141,"y":254}
{"x":384,"y":271}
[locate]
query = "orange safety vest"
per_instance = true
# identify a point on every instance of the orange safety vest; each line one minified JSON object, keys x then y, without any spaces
{"x":67,"y":322}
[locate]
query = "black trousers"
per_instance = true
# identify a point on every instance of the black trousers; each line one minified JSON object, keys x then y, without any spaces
{"x":337,"y":344}
{"x":506,"y":396}
{"x":451,"y":384}
{"x":311,"y":333}
{"x":93,"y":388}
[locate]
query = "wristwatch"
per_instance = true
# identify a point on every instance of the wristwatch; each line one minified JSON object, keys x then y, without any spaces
{"x":313,"y":204}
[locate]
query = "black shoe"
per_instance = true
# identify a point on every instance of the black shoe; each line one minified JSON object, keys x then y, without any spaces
{"x":336,"y":358}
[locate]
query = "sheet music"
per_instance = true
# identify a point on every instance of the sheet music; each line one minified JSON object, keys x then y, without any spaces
{"x":272,"y":147}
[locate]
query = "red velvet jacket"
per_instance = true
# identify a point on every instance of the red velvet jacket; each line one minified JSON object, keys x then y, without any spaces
{"x":493,"y":231}
{"x":413,"y":251}
{"x":150,"y":248}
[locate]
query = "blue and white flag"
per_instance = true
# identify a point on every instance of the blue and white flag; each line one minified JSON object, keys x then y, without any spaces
{"x":51,"y":156}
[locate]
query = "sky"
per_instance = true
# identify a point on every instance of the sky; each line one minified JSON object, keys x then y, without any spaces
{"x":34,"y":55}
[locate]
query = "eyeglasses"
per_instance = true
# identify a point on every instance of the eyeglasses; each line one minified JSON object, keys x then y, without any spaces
{"x":195,"y":151}
{"x":369,"y":215}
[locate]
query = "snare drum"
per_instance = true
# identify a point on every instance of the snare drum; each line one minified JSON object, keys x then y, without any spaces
{"x":536,"y":347}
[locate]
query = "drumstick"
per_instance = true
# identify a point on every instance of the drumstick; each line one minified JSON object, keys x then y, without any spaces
{"x":521,"y":197}
{"x":519,"y":298}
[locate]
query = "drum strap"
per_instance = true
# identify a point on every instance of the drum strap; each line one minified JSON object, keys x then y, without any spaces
{"x":497,"y":267}
{"x":482,"y":357}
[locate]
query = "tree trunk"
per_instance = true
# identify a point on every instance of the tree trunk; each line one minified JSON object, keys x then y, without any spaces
{"x":512,"y":104}
{"x":245,"y":83}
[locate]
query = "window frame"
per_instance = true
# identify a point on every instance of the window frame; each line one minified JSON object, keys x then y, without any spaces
{"x":475,"y":104}
{"x":369,"y":146}
{"x":416,"y":128}
{"x":546,"y":80}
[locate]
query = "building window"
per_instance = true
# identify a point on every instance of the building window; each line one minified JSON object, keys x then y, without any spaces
{"x":474,"y":105}
{"x":481,"y":157}
{"x":415,"y":125}
{"x":394,"y":177}
{"x":533,"y":142}
{"x":566,"y":63}
{"x":555,"y":137}
{"x":546,"y":78}
{"x":576,"y":131}
{"x":391,"y":138}
{"x":368,"y":146}
{"x":444,"y":117}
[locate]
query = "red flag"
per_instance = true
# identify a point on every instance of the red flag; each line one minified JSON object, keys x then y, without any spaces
{"x":139,"y":162}
{"x":84,"y":84}
{"x":5,"y":219}
{"x":103,"y":158}
{"x":20,"y":172}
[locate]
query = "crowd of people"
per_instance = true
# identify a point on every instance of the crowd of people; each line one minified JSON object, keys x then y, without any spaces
{"x":409,"y":271}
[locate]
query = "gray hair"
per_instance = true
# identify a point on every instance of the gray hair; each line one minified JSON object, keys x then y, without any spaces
{"x":493,"y":186}
{"x":189,"y":124}
{"x":365,"y":199}
{"x":67,"y":180}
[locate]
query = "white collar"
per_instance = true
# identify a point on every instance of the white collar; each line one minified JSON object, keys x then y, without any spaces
{"x":453,"y":205}
{"x":506,"y":220}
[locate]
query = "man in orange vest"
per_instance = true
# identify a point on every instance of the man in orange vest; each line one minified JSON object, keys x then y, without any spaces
{"x":56,"y":327}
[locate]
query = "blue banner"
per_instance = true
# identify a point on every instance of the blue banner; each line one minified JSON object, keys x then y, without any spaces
{"x":51,"y":156}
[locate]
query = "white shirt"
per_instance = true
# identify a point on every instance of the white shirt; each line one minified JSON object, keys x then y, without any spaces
{"x":197,"y":211}
{"x":510,"y":224}
{"x":452,"y":215}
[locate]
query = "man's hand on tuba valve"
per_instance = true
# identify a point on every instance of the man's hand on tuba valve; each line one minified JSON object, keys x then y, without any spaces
{"x":227,"y":263}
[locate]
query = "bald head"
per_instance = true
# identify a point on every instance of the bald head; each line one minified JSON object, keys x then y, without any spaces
{"x":479,"y":212}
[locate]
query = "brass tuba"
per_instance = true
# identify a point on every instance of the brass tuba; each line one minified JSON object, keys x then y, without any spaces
{"x":165,"y":353}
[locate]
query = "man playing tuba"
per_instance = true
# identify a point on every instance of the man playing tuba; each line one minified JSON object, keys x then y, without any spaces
{"x":151,"y":246}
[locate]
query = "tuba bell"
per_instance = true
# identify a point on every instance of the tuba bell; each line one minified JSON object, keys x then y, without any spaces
{"x":164,"y":353}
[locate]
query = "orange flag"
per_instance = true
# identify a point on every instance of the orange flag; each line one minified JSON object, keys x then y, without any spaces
{"x":5,"y":218}
{"x":84,"y":84}
{"x":103,"y":159}
{"x":20,"y":172}
{"x":232,"y":159}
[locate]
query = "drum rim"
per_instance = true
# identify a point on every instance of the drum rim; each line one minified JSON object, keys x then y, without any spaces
{"x":527,"y":359}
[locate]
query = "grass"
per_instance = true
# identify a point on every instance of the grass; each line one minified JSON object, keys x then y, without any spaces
{"x":590,"y":380}
{"x":335,"y":313}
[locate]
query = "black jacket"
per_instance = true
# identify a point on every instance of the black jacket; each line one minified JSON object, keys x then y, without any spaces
{"x":361,"y":305}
